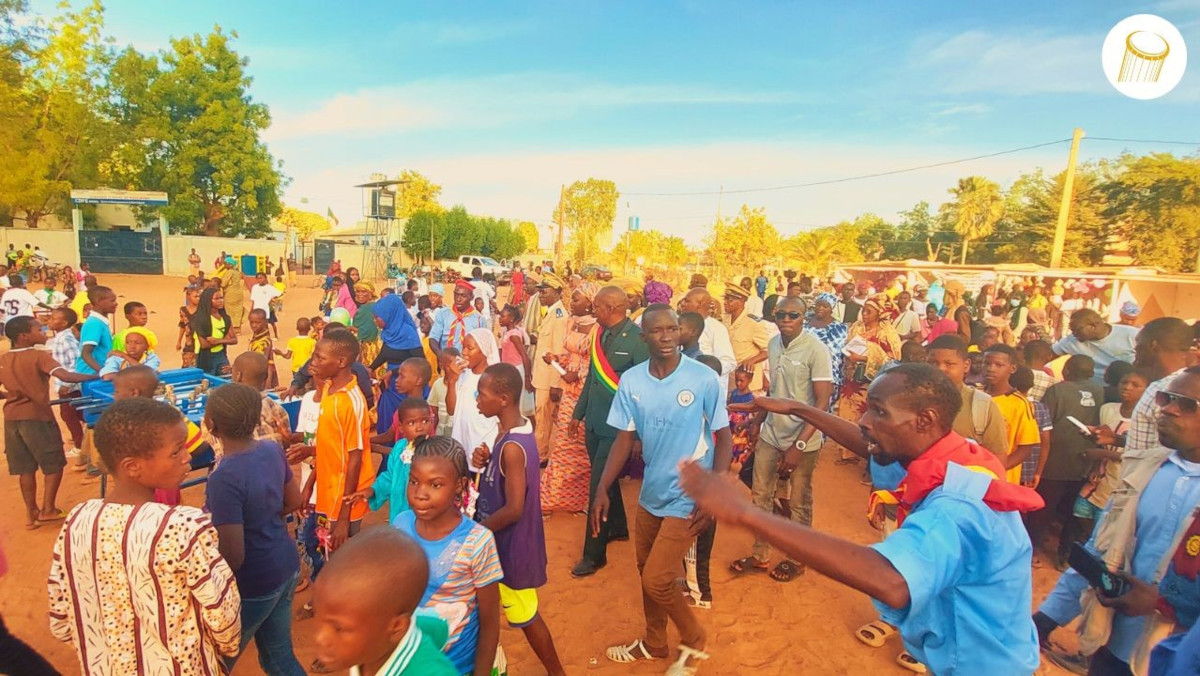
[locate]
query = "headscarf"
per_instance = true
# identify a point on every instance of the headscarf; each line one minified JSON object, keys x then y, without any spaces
{"x":589,"y":290}
{"x":883,"y":305}
{"x":827,"y":298}
{"x":364,"y":318}
{"x":151,"y":339}
{"x":487,"y":345}
{"x":399,"y":330}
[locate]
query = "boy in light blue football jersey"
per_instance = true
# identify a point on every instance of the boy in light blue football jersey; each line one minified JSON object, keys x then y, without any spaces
{"x":676,"y":408}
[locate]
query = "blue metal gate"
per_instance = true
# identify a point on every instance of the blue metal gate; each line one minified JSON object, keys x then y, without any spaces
{"x":121,"y":251}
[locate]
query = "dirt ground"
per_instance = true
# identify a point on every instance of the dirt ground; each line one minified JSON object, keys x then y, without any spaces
{"x":756,"y":625}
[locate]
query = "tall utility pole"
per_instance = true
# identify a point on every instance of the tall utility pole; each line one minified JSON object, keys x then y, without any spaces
{"x":1064,"y":209}
{"x":558,"y":241}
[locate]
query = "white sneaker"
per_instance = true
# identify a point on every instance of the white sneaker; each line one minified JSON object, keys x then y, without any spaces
{"x":73,"y":453}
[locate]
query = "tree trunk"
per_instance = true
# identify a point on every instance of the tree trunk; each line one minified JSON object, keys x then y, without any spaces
{"x":964,"y":253}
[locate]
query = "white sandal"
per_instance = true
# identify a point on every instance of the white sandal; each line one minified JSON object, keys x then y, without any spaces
{"x":628,"y":654}
{"x":681,"y":666}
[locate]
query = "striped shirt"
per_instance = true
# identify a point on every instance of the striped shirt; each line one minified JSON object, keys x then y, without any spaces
{"x":341,"y":428}
{"x":143,"y":590}
{"x":459,"y":564}
{"x":1142,"y":439}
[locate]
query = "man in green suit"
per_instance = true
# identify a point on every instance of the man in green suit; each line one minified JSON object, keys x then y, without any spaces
{"x":621,"y":347}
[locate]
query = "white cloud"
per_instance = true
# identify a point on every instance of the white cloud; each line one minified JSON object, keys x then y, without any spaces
{"x":525,"y":185}
{"x":461,"y":33}
{"x":970,"y":109}
{"x":1026,"y":64}
{"x":489,"y":103}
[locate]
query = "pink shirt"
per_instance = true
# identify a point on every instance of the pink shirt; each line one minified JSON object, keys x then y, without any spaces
{"x":509,"y":353}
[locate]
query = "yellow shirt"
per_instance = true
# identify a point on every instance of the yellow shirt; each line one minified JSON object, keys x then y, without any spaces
{"x":1022,"y":427}
{"x":342,"y":427}
{"x":218,"y":331}
{"x":301,"y":348}
{"x":77,"y":303}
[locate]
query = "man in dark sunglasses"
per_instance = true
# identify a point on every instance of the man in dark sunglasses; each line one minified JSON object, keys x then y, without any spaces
{"x":1144,"y":533}
{"x":801,"y":369}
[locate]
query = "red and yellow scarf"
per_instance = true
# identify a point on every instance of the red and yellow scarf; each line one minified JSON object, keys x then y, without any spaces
{"x":928,"y":472}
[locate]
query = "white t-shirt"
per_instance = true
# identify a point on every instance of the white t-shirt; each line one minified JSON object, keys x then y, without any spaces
{"x":51,"y":297}
{"x":18,"y":303}
{"x":306,"y":424}
{"x":908,"y":322}
{"x":487,"y":293}
{"x":4,"y":283}
{"x":1116,"y":346}
{"x":261,"y":296}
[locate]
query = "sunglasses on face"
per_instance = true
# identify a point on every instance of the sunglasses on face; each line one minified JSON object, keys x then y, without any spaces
{"x":1186,"y":405}
{"x":780,"y":316}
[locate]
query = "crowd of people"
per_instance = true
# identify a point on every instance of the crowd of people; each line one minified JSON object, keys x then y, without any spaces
{"x":999,"y":431}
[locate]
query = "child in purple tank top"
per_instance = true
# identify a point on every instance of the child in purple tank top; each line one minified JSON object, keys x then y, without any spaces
{"x":509,"y":505}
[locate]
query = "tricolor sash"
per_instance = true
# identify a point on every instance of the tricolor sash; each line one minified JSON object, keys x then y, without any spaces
{"x":602,"y":369}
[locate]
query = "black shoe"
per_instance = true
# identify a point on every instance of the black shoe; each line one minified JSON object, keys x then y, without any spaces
{"x":619,"y":538}
{"x":586,"y":568}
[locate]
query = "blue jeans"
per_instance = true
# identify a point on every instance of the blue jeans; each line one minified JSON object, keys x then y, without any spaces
{"x":268,"y":620}
{"x":312,"y":548}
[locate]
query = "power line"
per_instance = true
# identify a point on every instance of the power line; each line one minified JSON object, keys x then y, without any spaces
{"x":847,"y":179}
{"x":1140,"y":140}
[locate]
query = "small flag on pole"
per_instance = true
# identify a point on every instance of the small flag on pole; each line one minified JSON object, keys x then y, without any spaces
{"x":330,"y":216}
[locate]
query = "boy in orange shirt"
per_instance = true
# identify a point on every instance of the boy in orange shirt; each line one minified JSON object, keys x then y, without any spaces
{"x":342,"y":466}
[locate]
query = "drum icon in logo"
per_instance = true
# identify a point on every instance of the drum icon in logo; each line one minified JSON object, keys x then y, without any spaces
{"x":1145,"y":53}
{"x":1144,"y":56}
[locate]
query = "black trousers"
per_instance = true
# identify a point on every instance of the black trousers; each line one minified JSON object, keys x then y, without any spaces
{"x":595,"y":548}
{"x":698,"y":579}
{"x":1060,"y":495}
{"x":1105,"y":663}
{"x":18,"y":658}
{"x":394,"y":356}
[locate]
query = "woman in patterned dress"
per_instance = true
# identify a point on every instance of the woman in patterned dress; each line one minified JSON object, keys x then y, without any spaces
{"x":883,"y":346}
{"x":833,"y":334}
{"x":565,"y":482}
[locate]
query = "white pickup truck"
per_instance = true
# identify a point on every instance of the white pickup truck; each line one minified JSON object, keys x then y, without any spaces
{"x":465,"y":264}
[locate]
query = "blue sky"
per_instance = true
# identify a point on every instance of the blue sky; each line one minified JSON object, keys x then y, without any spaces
{"x":501,"y":102}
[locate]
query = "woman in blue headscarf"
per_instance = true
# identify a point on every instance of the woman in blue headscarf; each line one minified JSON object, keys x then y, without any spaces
{"x":831,"y":332}
{"x":401,"y":340}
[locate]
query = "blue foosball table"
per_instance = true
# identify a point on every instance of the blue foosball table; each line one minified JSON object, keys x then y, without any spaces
{"x":185,"y":389}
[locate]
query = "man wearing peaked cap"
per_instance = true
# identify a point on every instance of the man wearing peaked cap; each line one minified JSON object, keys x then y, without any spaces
{"x":552,"y":281}
{"x":547,"y":382}
{"x":747,"y":334}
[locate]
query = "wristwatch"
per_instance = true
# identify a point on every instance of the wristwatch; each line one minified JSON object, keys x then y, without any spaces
{"x":800,"y":445}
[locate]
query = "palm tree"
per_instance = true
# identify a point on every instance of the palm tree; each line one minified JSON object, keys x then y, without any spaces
{"x":814,"y":251}
{"x":977,"y":206}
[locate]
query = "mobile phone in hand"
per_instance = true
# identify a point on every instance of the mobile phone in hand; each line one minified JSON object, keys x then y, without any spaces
{"x":1083,"y":429}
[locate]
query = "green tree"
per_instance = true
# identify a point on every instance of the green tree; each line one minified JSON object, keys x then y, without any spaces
{"x":744,"y":242}
{"x":529,"y":232}
{"x":305,"y":223}
{"x":1026,"y":233}
{"x":1154,"y":204}
{"x":193,"y":131}
{"x":418,"y":230}
{"x":588,"y":209}
{"x":655,"y":250}
{"x":417,"y":194}
{"x":816,"y":251}
{"x":976,"y":208}
{"x":876,"y":238}
{"x":52,"y":97}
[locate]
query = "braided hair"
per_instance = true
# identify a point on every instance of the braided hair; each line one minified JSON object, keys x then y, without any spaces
{"x":443,"y":447}
{"x":234,"y":410}
{"x":132,"y":428}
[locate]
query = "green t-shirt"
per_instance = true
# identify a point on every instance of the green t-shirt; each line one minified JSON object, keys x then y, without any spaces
{"x":419,"y":653}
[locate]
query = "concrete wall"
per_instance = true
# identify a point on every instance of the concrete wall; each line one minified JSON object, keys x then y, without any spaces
{"x":363,"y":258}
{"x":179,"y":247}
{"x":61,"y":246}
